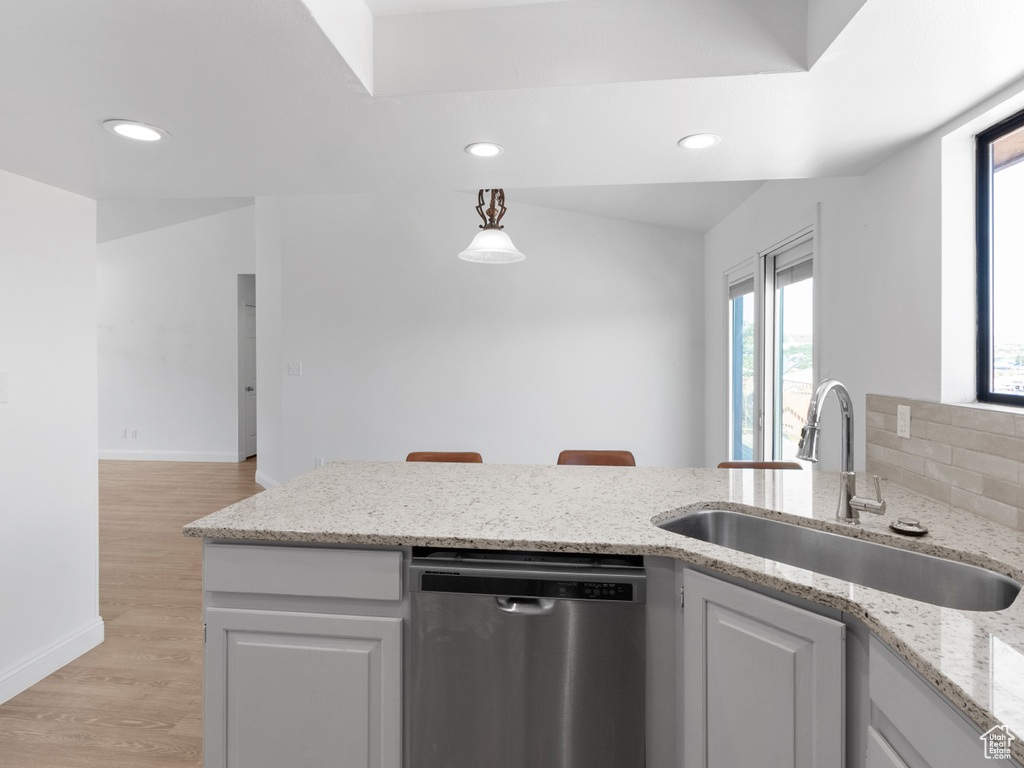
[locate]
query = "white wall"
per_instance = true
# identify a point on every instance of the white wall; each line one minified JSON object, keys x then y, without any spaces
{"x":49,"y":601}
{"x":168,"y":339}
{"x":269,"y":365}
{"x":879,"y":286}
{"x":595,"y":341}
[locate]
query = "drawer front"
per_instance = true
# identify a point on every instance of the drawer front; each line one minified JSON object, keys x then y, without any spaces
{"x":271,"y":570}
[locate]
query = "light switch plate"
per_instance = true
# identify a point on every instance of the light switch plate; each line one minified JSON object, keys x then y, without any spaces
{"x":3,"y":387}
{"x":294,"y":369}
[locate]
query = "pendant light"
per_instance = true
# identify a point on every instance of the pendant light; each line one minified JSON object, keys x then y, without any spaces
{"x":491,"y":246}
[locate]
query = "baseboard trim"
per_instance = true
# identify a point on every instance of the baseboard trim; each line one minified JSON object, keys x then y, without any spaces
{"x":204,"y":456}
{"x":264,"y":480}
{"x":49,"y":660}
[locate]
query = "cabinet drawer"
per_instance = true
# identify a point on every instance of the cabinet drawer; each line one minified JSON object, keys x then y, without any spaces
{"x":365,"y":574}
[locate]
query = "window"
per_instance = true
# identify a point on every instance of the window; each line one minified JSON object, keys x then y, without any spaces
{"x":741,"y":369}
{"x":1000,"y":200}
{"x":771,"y":351}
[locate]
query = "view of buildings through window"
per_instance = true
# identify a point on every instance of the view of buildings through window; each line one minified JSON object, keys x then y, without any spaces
{"x":1008,"y":264}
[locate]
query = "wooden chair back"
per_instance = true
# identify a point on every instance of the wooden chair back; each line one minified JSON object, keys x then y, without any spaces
{"x":598,"y":458}
{"x":464,"y":457}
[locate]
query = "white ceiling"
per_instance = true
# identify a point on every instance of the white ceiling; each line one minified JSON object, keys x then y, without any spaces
{"x":258,"y":101}
{"x":395,"y":7}
{"x":696,"y":207}
{"x":120,"y":218}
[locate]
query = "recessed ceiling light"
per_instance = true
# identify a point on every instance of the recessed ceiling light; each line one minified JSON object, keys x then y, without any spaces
{"x":132,"y":129}
{"x":485,"y":149}
{"x":699,"y":141}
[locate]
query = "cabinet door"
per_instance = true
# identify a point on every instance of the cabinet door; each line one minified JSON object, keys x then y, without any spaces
{"x":302,"y":690}
{"x":763,"y":680}
{"x":914,"y":711}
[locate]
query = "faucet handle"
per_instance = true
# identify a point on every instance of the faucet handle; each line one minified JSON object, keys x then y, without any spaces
{"x":877,"y":506}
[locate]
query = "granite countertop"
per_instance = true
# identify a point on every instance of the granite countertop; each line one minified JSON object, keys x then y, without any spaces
{"x":975,"y":658}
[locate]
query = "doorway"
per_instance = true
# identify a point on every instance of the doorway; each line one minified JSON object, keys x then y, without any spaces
{"x":247,"y":391}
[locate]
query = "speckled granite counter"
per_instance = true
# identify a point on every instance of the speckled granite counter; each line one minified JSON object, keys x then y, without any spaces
{"x":974,"y":658}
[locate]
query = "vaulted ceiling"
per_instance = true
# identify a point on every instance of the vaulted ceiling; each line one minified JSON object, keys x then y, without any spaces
{"x":268,"y":97}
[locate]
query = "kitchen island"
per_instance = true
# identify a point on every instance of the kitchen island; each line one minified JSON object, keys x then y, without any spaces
{"x":975,"y":659}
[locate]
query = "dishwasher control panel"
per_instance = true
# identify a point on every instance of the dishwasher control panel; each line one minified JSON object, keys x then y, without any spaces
{"x":512,"y":586}
{"x":538,"y":575}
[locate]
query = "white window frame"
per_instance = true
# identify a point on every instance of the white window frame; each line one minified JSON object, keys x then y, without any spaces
{"x":763,"y":268}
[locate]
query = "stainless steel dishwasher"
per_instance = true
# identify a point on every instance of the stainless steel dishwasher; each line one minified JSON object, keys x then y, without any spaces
{"x":526,"y":660}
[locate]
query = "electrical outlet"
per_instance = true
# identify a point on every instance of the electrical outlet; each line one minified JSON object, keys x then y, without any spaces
{"x":135,"y":431}
{"x":124,"y":432}
{"x":318,"y":462}
{"x":903,"y":421}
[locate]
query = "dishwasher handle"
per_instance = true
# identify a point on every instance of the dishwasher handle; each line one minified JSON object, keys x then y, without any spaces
{"x":525,"y":606}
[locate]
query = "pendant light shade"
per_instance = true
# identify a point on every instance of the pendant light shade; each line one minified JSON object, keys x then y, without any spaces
{"x":491,"y":245}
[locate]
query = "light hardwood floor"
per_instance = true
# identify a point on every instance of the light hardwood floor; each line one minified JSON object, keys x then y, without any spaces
{"x":136,"y":700}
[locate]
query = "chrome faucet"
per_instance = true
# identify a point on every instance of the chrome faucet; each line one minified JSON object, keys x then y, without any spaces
{"x":850,"y":504}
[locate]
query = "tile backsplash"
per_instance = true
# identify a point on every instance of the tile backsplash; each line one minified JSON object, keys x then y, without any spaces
{"x":967,"y":456}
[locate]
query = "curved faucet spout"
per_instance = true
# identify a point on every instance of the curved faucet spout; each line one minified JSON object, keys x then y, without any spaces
{"x":850,"y":504}
{"x":808,"y":450}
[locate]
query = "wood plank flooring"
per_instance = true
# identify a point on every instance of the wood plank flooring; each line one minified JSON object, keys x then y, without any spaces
{"x":136,"y":700}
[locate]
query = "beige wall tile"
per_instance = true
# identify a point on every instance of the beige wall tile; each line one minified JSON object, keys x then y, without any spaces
{"x":997,"y":422}
{"x":982,"y":442}
{"x":874,"y":451}
{"x":876,"y":467}
{"x":902,"y":460}
{"x":923,"y":485}
{"x":1000,"y":490}
{"x":927,"y":449}
{"x":955,"y":476}
{"x":979,"y":505}
{"x":972,"y":458}
{"x":933,"y":412}
{"x":885,"y":471}
{"x":883,"y":438}
{"x":881,"y":404}
{"x":877,"y":420}
{"x":914,"y":446}
{"x":931,"y":488}
{"x":994,"y":466}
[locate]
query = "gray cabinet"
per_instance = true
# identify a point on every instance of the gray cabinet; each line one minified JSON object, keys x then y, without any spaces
{"x":880,"y":753}
{"x":762,"y":680}
{"x":918,"y":724}
{"x":301,"y":689}
{"x":293,"y":674}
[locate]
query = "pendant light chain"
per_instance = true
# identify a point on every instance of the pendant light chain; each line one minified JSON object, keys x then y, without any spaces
{"x":492,"y":218}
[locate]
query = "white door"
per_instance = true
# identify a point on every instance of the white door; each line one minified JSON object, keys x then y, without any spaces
{"x":249,"y":379}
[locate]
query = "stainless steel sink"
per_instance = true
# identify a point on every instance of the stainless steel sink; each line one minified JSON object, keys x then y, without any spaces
{"x":911,"y":574}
